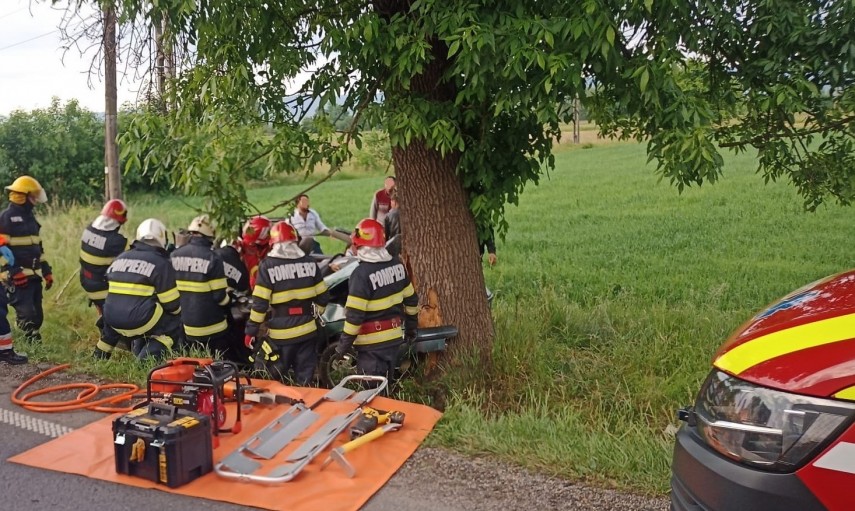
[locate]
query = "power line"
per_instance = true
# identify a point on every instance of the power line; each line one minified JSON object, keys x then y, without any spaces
{"x":27,"y":40}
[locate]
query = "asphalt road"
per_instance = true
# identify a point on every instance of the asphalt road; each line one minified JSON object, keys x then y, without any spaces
{"x":432,"y":480}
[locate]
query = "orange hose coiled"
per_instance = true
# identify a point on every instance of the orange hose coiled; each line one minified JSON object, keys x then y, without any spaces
{"x":82,"y":402}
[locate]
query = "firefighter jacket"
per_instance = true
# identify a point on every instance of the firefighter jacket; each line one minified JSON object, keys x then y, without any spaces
{"x":381,"y":300}
{"x":201,"y":281}
{"x":141,"y":289}
{"x":19,"y":224}
{"x":237,"y":276}
{"x":98,"y":249}
{"x":251,"y":255}
{"x":288,"y":287}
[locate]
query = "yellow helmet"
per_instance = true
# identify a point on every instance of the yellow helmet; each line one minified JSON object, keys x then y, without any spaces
{"x":29,"y":186}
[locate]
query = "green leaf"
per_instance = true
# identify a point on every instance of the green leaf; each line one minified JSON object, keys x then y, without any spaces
{"x":610,"y":35}
{"x":645,"y":77}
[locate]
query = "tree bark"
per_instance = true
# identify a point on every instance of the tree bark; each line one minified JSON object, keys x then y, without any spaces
{"x":111,"y":150}
{"x":440,"y":240}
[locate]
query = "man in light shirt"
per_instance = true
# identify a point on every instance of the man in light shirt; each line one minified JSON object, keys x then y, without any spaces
{"x":308,"y":224}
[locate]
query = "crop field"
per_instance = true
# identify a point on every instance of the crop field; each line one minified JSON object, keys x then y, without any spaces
{"x":613,"y":291}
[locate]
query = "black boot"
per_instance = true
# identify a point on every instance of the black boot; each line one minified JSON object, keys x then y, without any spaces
{"x":10,"y":357}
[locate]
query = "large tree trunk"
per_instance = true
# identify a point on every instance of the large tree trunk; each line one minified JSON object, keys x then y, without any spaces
{"x":441,"y":246}
{"x":440,"y":240}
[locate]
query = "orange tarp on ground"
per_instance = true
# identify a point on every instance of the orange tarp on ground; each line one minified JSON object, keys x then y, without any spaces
{"x":89,"y":451}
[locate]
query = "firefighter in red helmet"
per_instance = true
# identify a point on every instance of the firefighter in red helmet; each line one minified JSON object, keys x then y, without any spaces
{"x":254,"y":244}
{"x":100,"y":243}
{"x":382,"y":306}
{"x":289,"y":283}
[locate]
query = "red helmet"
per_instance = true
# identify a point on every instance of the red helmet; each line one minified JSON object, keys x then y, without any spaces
{"x":256,"y":230}
{"x":368,"y":233}
{"x":282,"y":232}
{"x":116,"y":209}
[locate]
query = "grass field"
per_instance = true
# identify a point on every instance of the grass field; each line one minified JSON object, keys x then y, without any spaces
{"x":612,"y":293}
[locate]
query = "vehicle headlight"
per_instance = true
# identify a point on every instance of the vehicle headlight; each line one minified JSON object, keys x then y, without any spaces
{"x":766,"y":428}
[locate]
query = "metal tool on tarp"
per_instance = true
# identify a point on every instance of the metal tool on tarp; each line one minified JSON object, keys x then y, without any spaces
{"x":241,"y":464}
{"x":338,"y":453}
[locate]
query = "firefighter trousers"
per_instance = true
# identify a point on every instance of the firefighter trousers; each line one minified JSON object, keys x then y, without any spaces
{"x":27,"y":302}
{"x":301,"y":357}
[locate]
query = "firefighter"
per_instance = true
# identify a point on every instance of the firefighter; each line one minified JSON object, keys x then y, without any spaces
{"x":288,"y":283}
{"x":237,"y":282}
{"x":100,"y":244}
{"x":380,"y":302}
{"x":142,"y":302}
{"x":7,"y":353}
{"x":201,"y":279}
{"x":31,"y":269}
{"x":254,"y":244}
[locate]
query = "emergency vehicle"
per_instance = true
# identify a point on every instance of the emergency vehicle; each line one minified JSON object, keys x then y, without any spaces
{"x":773,"y":427}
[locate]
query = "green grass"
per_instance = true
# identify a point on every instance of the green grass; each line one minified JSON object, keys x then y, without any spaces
{"x":612,"y":293}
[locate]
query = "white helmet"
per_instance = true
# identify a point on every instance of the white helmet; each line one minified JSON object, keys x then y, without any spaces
{"x":202,"y":225}
{"x":152,"y":230}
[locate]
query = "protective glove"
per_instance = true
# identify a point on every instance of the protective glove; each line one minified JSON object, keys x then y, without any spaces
{"x":100,"y":354}
{"x":48,"y":281}
{"x":19,"y":279}
{"x":248,"y":340}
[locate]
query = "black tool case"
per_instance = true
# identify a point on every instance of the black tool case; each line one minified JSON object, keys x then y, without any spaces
{"x":164,"y":444}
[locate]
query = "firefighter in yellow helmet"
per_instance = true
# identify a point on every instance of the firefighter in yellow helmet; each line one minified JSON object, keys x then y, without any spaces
{"x":201,"y":279}
{"x":18,"y":223}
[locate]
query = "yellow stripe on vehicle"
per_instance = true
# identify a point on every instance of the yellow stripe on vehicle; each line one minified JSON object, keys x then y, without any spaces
{"x":787,"y":341}
{"x":158,"y":312}
{"x":202,"y":331}
{"x":283,"y":334}
{"x":96,"y":260}
{"x":381,"y":336}
{"x":847,"y":394}
{"x":126,"y":288}
{"x":379,"y":304}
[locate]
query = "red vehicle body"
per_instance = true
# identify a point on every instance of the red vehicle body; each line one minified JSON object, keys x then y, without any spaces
{"x":774,"y":424}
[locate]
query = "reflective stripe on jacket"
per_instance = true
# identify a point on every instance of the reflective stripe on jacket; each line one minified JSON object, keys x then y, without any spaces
{"x":141,"y":289}
{"x":98,"y":249}
{"x":377,"y":292}
{"x":201,"y":281}
{"x":287,"y":287}
{"x":19,"y":224}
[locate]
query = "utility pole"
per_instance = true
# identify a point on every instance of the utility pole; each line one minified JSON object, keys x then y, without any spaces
{"x":164,"y":63}
{"x":111,"y":150}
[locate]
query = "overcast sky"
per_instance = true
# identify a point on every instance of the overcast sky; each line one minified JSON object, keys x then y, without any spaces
{"x":32,"y":66}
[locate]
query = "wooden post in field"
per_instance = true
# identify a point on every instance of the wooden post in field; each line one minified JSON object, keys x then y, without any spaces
{"x":576,"y":131}
{"x":111,"y":151}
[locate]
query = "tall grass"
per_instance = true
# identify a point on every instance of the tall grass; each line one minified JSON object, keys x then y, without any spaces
{"x":612,"y":293}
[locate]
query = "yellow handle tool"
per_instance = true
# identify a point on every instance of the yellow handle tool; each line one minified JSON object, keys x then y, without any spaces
{"x":338,"y":453}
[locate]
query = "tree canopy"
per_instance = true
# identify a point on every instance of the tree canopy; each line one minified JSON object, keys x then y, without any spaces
{"x":477,"y":90}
